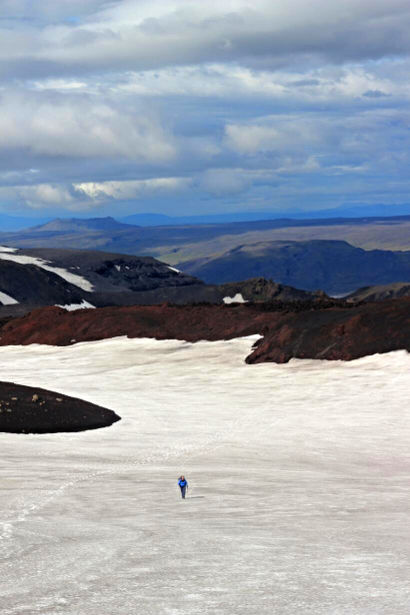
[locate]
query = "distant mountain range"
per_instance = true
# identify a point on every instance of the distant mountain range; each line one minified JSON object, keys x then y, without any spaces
{"x":359,"y":211}
{"x":334,"y":255}
{"x":17,"y":223}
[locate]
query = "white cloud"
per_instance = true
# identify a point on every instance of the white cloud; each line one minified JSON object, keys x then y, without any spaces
{"x":89,"y":195}
{"x":81,"y":127}
{"x":132,"y":189}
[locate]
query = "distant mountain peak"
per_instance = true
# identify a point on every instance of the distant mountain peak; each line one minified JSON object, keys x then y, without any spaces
{"x":75,"y":224}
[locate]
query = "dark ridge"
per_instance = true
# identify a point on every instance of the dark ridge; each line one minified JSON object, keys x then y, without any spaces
{"x":327,"y":330}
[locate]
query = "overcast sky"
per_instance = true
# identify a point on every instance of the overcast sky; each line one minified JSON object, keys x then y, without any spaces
{"x":185,"y":106}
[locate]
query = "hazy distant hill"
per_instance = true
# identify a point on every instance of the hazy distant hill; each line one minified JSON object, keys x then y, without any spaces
{"x":333,"y":266}
{"x":177,"y":244}
{"x":381,"y":292}
{"x":65,"y":225}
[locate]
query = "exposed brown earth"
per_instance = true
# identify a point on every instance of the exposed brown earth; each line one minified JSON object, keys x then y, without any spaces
{"x":32,"y":410}
{"x":320,"y":330}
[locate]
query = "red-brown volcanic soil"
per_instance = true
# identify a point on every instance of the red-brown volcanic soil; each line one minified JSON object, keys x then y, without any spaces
{"x":328,"y":330}
{"x":33,"y":410}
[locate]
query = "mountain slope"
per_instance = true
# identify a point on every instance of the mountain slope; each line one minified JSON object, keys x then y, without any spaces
{"x":48,"y":276}
{"x":334,"y":266}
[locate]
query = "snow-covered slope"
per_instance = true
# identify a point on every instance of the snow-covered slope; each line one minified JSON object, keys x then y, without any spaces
{"x":74,"y":276}
{"x":298,"y":475}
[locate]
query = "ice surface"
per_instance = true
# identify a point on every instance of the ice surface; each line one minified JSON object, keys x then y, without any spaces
{"x":72,"y":307}
{"x":300,"y":480}
{"x":238,"y":298}
{"x":73,"y":278}
{"x":6,"y":299}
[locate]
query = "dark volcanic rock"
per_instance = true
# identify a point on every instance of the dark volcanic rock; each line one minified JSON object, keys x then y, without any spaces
{"x":32,"y":410}
{"x":337,"y":333}
{"x":315,"y":329}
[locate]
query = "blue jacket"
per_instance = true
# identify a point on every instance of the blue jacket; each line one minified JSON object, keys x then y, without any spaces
{"x":183,"y":483}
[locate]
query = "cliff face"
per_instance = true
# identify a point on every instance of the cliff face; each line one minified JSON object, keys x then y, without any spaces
{"x":318,"y":330}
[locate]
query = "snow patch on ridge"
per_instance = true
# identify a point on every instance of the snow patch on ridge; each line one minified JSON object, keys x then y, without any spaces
{"x":6,"y":299}
{"x":238,"y":298}
{"x":72,"y":307}
{"x":7,"y":249}
{"x":173,"y":269}
{"x":72,"y":278}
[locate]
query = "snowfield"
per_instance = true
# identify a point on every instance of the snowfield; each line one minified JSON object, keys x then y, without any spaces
{"x":299,"y":477}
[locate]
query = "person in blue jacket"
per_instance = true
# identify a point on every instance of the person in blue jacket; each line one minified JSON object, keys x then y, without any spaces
{"x":183,"y":485}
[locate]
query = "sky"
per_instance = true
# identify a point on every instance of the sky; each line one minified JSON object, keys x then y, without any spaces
{"x":113,"y":107}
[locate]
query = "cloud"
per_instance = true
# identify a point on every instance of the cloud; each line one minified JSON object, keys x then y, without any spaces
{"x":90,"y":195}
{"x":183,"y":104}
{"x":141,"y":35}
{"x":132,"y":189}
{"x":82,"y":128}
{"x":223,"y":182}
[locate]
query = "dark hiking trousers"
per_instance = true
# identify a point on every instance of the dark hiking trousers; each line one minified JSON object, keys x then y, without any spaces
{"x":183,"y":489}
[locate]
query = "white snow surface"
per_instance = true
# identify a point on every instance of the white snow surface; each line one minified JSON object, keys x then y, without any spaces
{"x":238,"y":298}
{"x":173,"y":269}
{"x":72,"y":278}
{"x":299,"y":481}
{"x":7,"y":249}
{"x":72,"y":307}
{"x":6,"y":299}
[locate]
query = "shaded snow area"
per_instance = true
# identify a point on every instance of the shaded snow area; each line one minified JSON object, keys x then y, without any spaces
{"x":299,"y":475}
{"x":6,"y":299}
{"x":72,"y":278}
{"x":72,"y":307}
{"x":6,"y":249}
{"x":238,"y":298}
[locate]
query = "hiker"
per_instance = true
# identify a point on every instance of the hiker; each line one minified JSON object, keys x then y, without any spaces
{"x":183,"y":485}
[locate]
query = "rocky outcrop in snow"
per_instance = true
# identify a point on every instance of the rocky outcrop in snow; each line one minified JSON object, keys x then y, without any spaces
{"x":26,"y":409}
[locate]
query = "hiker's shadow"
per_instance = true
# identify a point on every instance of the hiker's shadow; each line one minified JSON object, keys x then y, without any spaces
{"x":195,"y":497}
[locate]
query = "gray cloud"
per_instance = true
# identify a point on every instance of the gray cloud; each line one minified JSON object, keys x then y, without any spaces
{"x":134,"y":35}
